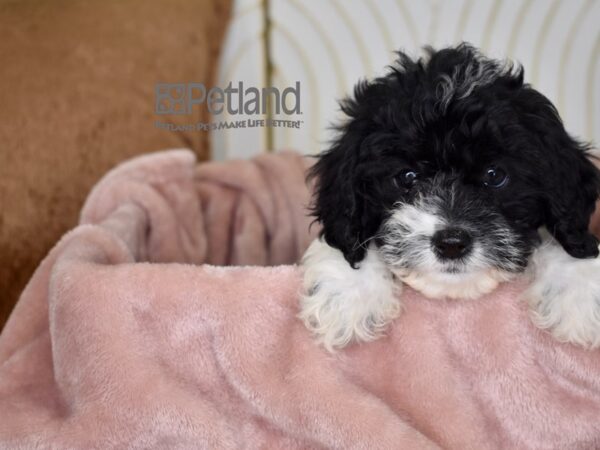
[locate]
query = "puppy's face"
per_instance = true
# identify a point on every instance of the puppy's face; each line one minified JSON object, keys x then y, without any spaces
{"x":451,"y":165}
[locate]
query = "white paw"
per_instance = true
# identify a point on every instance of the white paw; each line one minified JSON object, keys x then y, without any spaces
{"x":341,"y":304}
{"x":565,"y":296}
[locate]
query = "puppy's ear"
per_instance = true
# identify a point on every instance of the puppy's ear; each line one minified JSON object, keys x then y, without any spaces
{"x":341,"y":195}
{"x":337,"y":204}
{"x":571,"y":182}
{"x":572,"y":202}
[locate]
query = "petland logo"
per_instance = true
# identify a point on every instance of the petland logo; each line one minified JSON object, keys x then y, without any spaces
{"x":184,"y":98}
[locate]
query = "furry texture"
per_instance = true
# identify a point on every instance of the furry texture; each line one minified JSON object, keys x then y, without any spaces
{"x":447,"y":167}
{"x":406,"y":243}
{"x":110,"y":346}
{"x":343,"y":303}
{"x":395,"y":124}
{"x":105,"y":350}
{"x":565,"y":295}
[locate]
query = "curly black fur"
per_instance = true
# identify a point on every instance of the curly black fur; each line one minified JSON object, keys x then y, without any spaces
{"x":455,"y":112}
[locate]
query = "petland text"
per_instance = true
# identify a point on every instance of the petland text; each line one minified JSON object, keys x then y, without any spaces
{"x":181,"y":98}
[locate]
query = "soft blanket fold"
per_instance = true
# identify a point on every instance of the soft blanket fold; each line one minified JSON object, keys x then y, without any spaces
{"x":123,"y":339}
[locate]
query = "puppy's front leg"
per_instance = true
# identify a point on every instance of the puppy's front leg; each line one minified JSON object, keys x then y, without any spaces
{"x":565,"y":295}
{"x":341,"y":304}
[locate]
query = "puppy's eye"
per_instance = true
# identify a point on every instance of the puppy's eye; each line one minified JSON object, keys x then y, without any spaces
{"x":406,"y":178}
{"x":495,"y":177}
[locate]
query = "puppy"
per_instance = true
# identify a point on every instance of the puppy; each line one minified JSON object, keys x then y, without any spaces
{"x":451,"y":175}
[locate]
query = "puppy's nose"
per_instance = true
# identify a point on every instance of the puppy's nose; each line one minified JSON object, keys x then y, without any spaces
{"x":451,"y":243}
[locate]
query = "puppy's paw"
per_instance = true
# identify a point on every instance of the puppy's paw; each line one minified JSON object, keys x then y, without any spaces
{"x":565,"y":297}
{"x":341,"y":304}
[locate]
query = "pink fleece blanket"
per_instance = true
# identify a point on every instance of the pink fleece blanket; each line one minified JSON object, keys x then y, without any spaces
{"x":123,"y":339}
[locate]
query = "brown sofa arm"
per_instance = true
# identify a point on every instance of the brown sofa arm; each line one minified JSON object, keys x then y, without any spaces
{"x":77,"y":87}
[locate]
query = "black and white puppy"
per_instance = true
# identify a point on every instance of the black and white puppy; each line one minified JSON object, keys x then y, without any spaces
{"x":451,"y":175}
